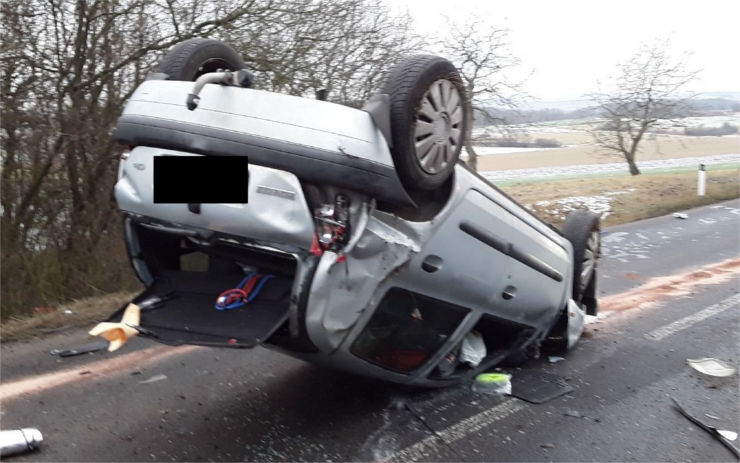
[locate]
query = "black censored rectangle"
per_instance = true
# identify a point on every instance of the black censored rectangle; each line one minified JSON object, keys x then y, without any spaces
{"x":201,"y":179}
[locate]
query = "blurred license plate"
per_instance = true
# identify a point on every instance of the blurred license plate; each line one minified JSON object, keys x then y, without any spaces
{"x":201,"y":179}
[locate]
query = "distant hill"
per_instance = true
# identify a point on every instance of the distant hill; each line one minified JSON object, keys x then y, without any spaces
{"x":701,"y":105}
{"x":706,"y":104}
{"x":723,"y":95}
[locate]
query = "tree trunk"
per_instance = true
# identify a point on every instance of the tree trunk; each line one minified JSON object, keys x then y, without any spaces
{"x":472,"y":156}
{"x":633,"y":167}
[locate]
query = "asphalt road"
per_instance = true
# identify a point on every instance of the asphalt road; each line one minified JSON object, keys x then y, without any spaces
{"x":669,"y":287}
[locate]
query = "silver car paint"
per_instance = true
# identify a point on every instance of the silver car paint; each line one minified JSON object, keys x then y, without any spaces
{"x":384,"y":251}
{"x":333,"y":321}
{"x":341,"y":291}
{"x":281,"y":220}
{"x":312,"y":123}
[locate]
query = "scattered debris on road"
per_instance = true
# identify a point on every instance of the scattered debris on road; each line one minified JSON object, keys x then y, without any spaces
{"x":547,"y":445}
{"x":574,"y":414}
{"x":591,"y":319}
{"x":55,"y":330}
{"x":680,"y":215}
{"x":493,"y":383}
{"x":725,"y":437}
{"x":120,"y":332}
{"x":537,"y":387}
{"x":19,"y":441}
{"x":473,"y":349}
{"x":154,"y":379}
{"x":555,"y":359}
{"x":711,"y":367}
{"x":84,"y":349}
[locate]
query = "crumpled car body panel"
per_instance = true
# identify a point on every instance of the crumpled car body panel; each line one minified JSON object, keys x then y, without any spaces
{"x":388,"y":296}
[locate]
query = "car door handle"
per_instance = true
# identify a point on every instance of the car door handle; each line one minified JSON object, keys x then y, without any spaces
{"x":509,"y":293}
{"x":431,"y":263}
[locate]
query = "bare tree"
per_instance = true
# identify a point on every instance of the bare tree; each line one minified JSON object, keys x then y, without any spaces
{"x":649,"y":87}
{"x":480,"y":52}
{"x":343,"y":46}
{"x":68,"y":67}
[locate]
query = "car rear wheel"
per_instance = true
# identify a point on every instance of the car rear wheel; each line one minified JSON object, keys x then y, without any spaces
{"x":427,"y":120}
{"x":192,"y":58}
{"x":582,"y":229}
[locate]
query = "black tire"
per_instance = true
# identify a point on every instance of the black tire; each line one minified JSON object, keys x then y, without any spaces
{"x":582,"y":229}
{"x":408,"y":84}
{"x":192,"y":58}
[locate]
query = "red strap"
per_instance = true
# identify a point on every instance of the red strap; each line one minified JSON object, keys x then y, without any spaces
{"x":315,"y":248}
{"x":232,"y":295}
{"x":249,"y":286}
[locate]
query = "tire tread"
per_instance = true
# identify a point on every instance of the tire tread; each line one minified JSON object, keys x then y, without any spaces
{"x":402,"y":85}
{"x":176,"y":62}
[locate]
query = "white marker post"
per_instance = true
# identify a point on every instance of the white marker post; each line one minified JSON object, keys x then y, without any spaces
{"x":701,"y":183}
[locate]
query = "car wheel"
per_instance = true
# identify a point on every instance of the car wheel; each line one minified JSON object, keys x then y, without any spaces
{"x":428,"y":123}
{"x":192,"y":58}
{"x":582,"y":229}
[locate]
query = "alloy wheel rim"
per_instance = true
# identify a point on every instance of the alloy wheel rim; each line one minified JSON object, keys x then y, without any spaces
{"x":590,"y":254}
{"x":438,"y":130}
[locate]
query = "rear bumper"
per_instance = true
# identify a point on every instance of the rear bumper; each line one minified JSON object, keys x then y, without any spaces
{"x":319,"y":142}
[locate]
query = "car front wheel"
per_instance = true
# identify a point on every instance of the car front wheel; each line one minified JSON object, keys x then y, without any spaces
{"x":582,"y":229}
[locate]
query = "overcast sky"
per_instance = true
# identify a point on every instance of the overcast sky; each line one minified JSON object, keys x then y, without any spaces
{"x":570,"y":44}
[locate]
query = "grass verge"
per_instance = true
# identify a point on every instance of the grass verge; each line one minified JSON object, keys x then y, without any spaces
{"x":624,"y":198}
{"x":627,"y":199}
{"x":81,"y":313}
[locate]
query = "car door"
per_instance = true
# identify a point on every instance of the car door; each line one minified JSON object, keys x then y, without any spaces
{"x":455,"y":264}
{"x":490,"y":254}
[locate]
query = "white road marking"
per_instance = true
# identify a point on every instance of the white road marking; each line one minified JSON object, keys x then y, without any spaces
{"x":429,"y":447}
{"x":686,"y":322}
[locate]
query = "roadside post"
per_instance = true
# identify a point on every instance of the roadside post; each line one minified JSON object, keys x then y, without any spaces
{"x":701,"y":183}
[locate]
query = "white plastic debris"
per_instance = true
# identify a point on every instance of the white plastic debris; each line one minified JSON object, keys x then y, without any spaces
{"x":680,"y":215}
{"x":19,"y":441}
{"x":555,"y":359}
{"x":711,"y":367}
{"x":68,"y":312}
{"x":473,"y":349}
{"x":154,"y":379}
{"x":119,"y":332}
{"x":493,"y":383}
{"x":591,"y":319}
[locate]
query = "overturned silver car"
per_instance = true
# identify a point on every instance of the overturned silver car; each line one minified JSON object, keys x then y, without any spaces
{"x":365,"y":244}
